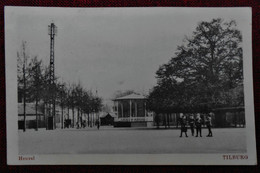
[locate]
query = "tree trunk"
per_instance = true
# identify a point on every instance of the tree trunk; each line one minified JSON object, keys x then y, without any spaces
{"x":68,"y":113}
{"x":44,"y":114}
{"x":68,"y":117}
{"x":36,"y":112}
{"x":47,"y":116}
{"x":88,"y":119}
{"x":81,"y":118}
{"x":157,"y":120}
{"x":24,"y":87}
{"x":168,"y":120}
{"x":62,"y":117}
{"x":24,"y":101}
{"x":72,"y":117}
{"x":235,"y":114}
{"x":165,"y":120}
{"x":78,"y":123}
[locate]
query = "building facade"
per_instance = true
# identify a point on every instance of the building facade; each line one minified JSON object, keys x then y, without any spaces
{"x":30,"y":116}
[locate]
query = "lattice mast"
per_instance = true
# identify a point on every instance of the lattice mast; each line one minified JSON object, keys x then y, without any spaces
{"x":52,"y":32}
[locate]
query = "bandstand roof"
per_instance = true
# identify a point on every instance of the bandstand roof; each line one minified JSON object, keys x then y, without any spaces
{"x":132,"y":97}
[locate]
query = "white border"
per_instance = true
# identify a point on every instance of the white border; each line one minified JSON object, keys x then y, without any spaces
{"x":127,"y":159}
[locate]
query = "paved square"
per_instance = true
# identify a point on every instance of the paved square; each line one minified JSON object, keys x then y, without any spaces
{"x":109,"y":140}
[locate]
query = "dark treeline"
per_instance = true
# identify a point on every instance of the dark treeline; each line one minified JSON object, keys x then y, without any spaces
{"x":33,"y":86}
{"x":205,"y":73}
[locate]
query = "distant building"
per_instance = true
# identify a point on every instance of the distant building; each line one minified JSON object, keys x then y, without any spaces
{"x":107,"y":119}
{"x":131,"y":111}
{"x":229,"y":117}
{"x":30,"y":116}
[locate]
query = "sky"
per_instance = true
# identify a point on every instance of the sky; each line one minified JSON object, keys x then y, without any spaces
{"x":110,"y":49}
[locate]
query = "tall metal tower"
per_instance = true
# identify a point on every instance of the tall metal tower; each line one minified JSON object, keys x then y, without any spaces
{"x":52,"y":31}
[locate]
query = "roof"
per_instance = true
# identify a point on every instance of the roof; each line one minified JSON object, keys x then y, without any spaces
{"x":229,"y":108}
{"x":104,"y":114}
{"x":131,"y":97}
{"x":30,"y":109}
{"x":107,"y":116}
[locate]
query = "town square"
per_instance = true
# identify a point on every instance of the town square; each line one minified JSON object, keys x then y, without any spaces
{"x":129,"y":81}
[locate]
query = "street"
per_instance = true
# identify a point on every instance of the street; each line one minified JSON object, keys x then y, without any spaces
{"x":109,"y":140}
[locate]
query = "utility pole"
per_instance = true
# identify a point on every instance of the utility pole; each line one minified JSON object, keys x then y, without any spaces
{"x":52,"y":32}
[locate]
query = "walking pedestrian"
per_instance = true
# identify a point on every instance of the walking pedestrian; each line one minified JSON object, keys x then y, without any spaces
{"x":192,"y":123}
{"x":183,"y":122}
{"x":98,"y":124}
{"x":209,"y":124}
{"x":198,"y":123}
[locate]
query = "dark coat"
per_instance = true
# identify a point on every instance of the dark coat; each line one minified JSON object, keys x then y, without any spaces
{"x":198,"y":122}
{"x":183,"y":122}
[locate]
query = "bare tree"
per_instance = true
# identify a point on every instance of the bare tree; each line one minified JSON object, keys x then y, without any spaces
{"x":36,"y":83}
{"x":22,"y":75}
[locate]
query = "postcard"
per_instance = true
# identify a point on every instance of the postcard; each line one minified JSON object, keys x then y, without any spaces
{"x":129,"y":86}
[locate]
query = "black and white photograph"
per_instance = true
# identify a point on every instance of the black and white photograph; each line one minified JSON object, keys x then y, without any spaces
{"x":129,"y":86}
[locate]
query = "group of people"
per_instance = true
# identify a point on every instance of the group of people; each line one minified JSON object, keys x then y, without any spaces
{"x":195,"y":123}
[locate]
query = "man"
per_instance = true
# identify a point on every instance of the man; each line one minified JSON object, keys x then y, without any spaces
{"x":198,"y":123}
{"x":183,"y":122}
{"x":208,"y":123}
{"x":192,"y":122}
